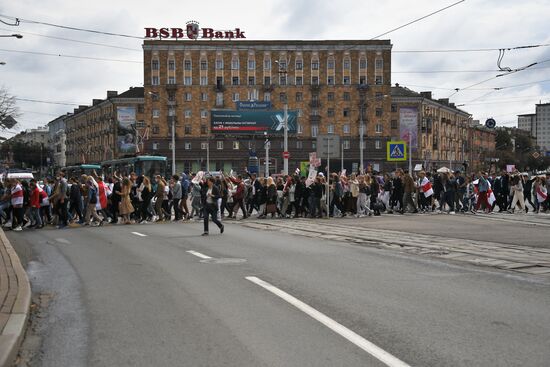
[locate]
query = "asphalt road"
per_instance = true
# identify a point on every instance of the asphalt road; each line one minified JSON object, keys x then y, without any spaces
{"x":140,"y":299}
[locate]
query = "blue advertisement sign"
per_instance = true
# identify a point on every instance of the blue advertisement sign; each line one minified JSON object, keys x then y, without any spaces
{"x":253,"y":105}
{"x":252,"y":122}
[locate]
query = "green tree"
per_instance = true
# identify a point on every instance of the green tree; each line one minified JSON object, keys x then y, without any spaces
{"x":503,"y":140}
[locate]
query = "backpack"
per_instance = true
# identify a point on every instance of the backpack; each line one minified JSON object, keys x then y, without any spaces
{"x":92,"y":192}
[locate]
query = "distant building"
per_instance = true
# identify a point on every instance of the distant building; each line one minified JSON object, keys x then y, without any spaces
{"x":57,"y":141}
{"x":32,"y":136}
{"x":108,"y":129}
{"x":527,"y":122}
{"x":542,"y":126}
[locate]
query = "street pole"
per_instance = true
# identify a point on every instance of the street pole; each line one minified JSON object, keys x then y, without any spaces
{"x":267,"y":144}
{"x":328,"y":179}
{"x":285,"y":158}
{"x":410,"y":153}
{"x":342,"y":162}
{"x":172,"y":117}
{"x":208,"y":153}
{"x":361,"y":132}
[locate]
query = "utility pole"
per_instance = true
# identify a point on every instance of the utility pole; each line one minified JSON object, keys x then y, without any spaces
{"x":285,"y":158}
{"x":208,"y":153}
{"x":361,"y":143}
{"x":342,"y":161}
{"x":267,"y":145}
{"x":328,"y":179}
{"x":410,"y":153}
{"x":172,"y":118}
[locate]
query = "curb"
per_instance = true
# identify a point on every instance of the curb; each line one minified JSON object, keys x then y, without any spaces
{"x":12,"y":334}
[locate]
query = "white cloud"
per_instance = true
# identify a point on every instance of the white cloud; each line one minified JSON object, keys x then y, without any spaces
{"x":472,"y":24}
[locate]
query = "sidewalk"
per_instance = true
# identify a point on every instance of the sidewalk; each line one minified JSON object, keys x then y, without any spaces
{"x":15,"y":297}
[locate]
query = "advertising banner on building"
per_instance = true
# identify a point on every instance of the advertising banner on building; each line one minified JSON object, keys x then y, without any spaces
{"x":126,"y":130}
{"x":408,"y":120}
{"x":253,"y":105}
{"x":252,"y":122}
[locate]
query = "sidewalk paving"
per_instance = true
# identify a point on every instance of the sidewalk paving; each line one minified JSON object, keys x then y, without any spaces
{"x":15,"y":297}
{"x":517,"y":258}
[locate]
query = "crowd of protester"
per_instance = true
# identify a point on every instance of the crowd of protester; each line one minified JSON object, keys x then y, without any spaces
{"x":94,"y":200}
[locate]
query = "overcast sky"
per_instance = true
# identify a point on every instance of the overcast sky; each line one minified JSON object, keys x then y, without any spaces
{"x":471,"y":24}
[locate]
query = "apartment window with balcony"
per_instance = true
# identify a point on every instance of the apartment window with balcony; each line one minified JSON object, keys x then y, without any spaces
{"x":330,"y":96}
{"x":379,"y":128}
{"x":299,"y":65}
{"x":378,"y":80}
{"x":204,"y":129}
{"x":299,"y":96}
{"x":267,"y":97}
{"x":155,"y":96}
{"x":330,"y":112}
{"x":362,"y":80}
{"x":330,"y":129}
{"x":155,"y":80}
{"x":251,"y":64}
{"x":346,"y":129}
{"x":314,"y":80}
{"x":282,"y":79}
{"x":204,"y":96}
{"x":347,"y":96}
{"x":330,"y":80}
{"x":346,"y":80}
{"x":154,"y":65}
{"x":204,"y":80}
{"x":299,"y":80}
{"x":187,"y":65}
{"x":236,"y":97}
{"x":188,"y":97}
{"x":219,"y":82}
{"x":346,"y":144}
{"x":204,"y":114}
{"x":187,"y":130}
{"x":235,"y":80}
{"x":378,"y":112}
{"x":187,"y":114}
{"x":219,"y":64}
{"x":219,"y":145}
{"x":172,"y":97}
{"x":236,"y":145}
{"x":267,"y":80}
{"x":282,"y":97}
{"x":156,"y":113}
{"x":187,"y":80}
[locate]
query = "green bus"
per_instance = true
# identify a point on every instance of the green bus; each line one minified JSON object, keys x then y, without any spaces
{"x":146,"y":165}
{"x":81,"y":169}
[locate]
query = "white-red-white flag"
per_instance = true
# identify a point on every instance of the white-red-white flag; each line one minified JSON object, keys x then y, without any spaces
{"x":427,"y":187}
{"x":542,"y":194}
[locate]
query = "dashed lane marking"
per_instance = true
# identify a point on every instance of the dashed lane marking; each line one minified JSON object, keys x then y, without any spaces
{"x":198,"y":254}
{"x":369,"y":347}
{"x":139,"y":234}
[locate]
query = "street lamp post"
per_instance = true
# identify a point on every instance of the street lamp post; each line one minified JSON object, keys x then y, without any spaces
{"x":171,"y":115}
{"x":267,"y":145}
{"x":285,"y":122}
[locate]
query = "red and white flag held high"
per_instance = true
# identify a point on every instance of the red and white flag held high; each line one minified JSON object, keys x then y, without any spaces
{"x":427,"y":187}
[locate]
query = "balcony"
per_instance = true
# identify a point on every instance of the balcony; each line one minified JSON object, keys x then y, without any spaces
{"x":314,"y":119}
{"x":315,"y":87}
{"x":362,"y":87}
{"x":171,"y":86}
{"x":268,"y":88}
{"x":315,"y":104}
{"x":219,"y":88}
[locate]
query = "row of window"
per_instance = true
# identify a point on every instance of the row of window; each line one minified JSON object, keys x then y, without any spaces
{"x":236,"y":145}
{"x":251,"y":64}
{"x":267,"y":80}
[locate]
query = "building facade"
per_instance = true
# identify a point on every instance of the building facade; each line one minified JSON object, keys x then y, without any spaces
{"x":482,"y":146}
{"x":542,"y":126}
{"x":331,"y":85}
{"x":57,"y":141}
{"x":443,"y":130}
{"x":92,"y":132}
{"x":527,"y":122}
{"x":32,"y":136}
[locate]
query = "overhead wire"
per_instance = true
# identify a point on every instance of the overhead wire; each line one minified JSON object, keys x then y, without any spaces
{"x":71,"y":56}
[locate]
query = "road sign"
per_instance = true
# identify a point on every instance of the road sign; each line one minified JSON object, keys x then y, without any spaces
{"x":328,"y":144}
{"x":396,"y":151}
{"x":536,"y":155}
{"x":286,"y":155}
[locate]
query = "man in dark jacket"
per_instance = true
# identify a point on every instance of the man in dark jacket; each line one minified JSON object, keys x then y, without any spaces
{"x":75,"y":199}
{"x":210,"y":194}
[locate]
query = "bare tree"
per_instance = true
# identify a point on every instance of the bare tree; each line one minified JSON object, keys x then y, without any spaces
{"x":8,"y":108}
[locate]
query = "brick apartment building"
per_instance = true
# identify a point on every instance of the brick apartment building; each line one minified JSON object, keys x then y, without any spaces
{"x":329,"y":83}
{"x":91,"y":131}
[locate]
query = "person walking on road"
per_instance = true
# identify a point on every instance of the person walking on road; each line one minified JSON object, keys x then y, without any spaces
{"x":210,"y":195}
{"x":126,"y":208}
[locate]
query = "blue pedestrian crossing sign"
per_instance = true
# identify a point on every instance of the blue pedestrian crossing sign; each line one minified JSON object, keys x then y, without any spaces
{"x":396,"y":151}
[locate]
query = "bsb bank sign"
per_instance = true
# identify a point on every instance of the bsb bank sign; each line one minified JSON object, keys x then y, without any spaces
{"x":193,"y":31}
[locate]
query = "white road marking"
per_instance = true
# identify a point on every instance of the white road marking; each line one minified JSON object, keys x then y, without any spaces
{"x":198,"y":254}
{"x":358,"y":340}
{"x":139,"y":234}
{"x":62,"y":240}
